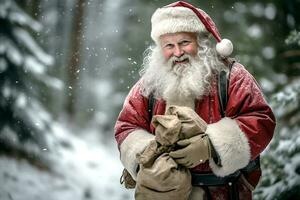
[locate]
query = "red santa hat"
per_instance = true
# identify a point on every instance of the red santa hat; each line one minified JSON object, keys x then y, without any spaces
{"x":183,"y":17}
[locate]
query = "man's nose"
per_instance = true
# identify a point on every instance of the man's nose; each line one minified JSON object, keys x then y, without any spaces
{"x":178,"y":51}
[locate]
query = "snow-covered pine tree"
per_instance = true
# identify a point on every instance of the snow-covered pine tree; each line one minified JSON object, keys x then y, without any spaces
{"x":24,"y":122}
{"x":281,"y":163}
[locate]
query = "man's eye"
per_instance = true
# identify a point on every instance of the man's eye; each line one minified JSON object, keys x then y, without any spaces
{"x":185,"y":42}
{"x":168,"y":46}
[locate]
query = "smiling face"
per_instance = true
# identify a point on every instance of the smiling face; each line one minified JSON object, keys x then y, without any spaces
{"x":178,"y":47}
{"x":167,"y":72}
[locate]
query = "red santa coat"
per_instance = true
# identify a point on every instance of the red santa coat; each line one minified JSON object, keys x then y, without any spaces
{"x":238,"y":138}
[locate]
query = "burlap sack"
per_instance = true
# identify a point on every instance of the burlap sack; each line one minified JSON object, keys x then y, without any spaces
{"x":164,"y":180}
{"x":167,"y":129}
{"x":127,"y":180}
{"x":152,"y":152}
{"x":160,"y":177}
{"x":191,"y":123}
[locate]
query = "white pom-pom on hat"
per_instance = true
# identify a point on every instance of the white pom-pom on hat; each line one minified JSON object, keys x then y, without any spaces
{"x":224,"y":48}
{"x":184,"y":17}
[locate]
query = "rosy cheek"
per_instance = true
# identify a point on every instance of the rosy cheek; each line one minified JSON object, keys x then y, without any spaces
{"x":192,"y":50}
{"x":167,"y":54}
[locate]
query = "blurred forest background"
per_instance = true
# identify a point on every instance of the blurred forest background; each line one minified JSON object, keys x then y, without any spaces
{"x":67,"y":65}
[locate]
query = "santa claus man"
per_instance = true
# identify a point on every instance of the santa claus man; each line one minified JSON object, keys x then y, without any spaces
{"x":182,"y":69}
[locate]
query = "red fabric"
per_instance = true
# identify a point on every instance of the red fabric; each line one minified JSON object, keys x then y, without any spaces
{"x":246,"y":105}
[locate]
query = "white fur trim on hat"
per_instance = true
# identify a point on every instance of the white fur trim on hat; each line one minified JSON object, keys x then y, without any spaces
{"x":134,"y":143}
{"x":173,"y":20}
{"x":224,"y":48}
{"x":231,"y":144}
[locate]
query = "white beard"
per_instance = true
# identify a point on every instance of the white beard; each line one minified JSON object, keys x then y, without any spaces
{"x":179,"y":84}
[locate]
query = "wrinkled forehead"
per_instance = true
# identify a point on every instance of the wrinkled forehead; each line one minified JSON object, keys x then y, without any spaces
{"x":177,"y":37}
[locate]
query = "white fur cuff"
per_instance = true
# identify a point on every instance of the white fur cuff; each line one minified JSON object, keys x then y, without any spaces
{"x":231,"y":144}
{"x":133,"y":144}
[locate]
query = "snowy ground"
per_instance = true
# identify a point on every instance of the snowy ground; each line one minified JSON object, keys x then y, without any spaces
{"x":83,"y":169}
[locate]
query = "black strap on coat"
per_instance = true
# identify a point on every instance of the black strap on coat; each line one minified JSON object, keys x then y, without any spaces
{"x":151,"y":104}
{"x":223,"y":83}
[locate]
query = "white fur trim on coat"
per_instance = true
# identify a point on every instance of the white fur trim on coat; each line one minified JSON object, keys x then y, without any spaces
{"x":133,"y":144}
{"x":173,"y":20}
{"x":231,"y":144}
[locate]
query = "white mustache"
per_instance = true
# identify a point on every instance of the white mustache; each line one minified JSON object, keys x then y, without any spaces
{"x":183,"y":57}
{"x":175,"y":59}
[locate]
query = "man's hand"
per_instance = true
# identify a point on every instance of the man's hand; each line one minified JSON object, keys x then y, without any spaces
{"x":195,"y":150}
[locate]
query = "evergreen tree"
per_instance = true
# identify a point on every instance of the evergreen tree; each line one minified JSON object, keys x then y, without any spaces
{"x":281,"y":162}
{"x":24,"y":122}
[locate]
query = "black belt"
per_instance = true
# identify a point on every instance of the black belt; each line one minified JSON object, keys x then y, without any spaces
{"x":206,"y":180}
{"x":213,"y":180}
